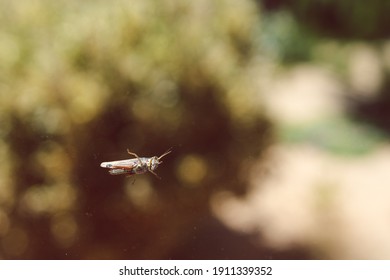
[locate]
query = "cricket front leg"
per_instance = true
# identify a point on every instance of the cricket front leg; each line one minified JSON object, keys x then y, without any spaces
{"x":158,"y":177}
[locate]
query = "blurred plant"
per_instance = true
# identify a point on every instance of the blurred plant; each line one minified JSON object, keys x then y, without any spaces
{"x":81,"y":82}
{"x":339,"y":136}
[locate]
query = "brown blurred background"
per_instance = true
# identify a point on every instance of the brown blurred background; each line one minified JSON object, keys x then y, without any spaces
{"x":277,"y":112}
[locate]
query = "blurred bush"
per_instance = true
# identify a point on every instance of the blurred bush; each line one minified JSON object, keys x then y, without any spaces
{"x":82,"y":81}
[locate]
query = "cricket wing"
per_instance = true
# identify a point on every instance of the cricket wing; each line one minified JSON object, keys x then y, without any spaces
{"x":120,"y":166}
{"x":125,"y":164}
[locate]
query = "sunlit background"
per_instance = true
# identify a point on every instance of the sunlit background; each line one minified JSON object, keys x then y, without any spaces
{"x":278,"y":114}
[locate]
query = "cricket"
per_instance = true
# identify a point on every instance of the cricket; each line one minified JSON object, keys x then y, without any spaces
{"x":135,"y":166}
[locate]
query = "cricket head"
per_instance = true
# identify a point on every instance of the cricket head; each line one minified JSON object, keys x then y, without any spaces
{"x":154,"y":162}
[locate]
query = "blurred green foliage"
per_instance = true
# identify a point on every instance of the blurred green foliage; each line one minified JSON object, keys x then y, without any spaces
{"x":346,"y":20}
{"x":82,"y":81}
{"x":283,"y":38}
{"x":338,"y":136}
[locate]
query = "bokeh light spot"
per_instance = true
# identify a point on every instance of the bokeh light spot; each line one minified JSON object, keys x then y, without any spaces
{"x":192,"y":169}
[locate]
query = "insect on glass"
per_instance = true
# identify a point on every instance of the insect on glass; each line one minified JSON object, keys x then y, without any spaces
{"x":133,"y":166}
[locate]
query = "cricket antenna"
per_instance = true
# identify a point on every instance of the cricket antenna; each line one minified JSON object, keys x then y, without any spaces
{"x":164,"y":154}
